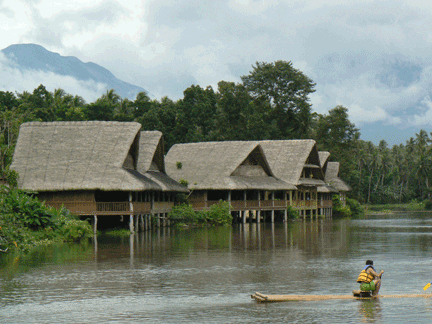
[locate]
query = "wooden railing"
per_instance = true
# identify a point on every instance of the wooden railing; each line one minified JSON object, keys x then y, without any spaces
{"x":237,"y":205}
{"x":325,"y":204}
{"x":105,"y":208}
{"x":305,"y":204}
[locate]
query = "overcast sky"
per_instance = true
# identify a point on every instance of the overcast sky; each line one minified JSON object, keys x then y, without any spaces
{"x":373,"y":57}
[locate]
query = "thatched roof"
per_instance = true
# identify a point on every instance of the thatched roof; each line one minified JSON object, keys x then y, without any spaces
{"x":233,"y":165}
{"x":332,"y":177}
{"x":323,"y":157}
{"x":288,"y":159}
{"x":87,"y":155}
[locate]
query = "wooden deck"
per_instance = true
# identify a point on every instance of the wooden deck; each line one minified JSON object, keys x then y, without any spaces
{"x":262,"y":298}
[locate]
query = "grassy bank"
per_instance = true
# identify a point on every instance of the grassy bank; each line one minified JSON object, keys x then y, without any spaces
{"x":407,"y":207}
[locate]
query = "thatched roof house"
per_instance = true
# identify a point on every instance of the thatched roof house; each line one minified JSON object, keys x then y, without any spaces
{"x":332,"y":177}
{"x":294,"y":161}
{"x":91,"y":155}
{"x":324,"y":159}
{"x":232,"y":165}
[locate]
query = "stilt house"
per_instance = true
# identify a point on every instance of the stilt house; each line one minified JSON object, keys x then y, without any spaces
{"x":235,"y":171}
{"x":297,"y":162}
{"x":325,"y":193}
{"x":333,"y":179}
{"x":95,"y":168}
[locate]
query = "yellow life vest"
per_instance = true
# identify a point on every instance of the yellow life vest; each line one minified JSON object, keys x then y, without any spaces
{"x":365,"y":277}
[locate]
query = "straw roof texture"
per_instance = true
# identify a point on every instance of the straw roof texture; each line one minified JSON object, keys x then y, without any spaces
{"x":212,"y":165}
{"x":323,"y":157}
{"x":87,"y":155}
{"x":332,"y":177}
{"x":287,"y":158}
{"x":150,"y":147}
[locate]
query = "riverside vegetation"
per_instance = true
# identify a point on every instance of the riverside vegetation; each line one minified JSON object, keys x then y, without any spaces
{"x":26,"y":223}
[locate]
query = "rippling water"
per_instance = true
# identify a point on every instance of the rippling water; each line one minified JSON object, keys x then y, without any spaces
{"x":208,"y":275}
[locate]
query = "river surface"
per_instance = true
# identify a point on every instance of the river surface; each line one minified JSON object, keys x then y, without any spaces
{"x":207,"y":275}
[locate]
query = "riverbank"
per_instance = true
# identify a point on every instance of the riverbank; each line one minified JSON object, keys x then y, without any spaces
{"x":413,"y":206}
{"x":26,"y":223}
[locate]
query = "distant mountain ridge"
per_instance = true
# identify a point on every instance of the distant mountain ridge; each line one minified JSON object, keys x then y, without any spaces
{"x":36,"y":57}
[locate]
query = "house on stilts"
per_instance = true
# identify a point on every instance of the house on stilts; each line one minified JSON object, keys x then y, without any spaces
{"x":97,"y":169}
{"x":325,"y":193}
{"x":233,"y":171}
{"x":333,"y":179}
{"x":297,"y":163}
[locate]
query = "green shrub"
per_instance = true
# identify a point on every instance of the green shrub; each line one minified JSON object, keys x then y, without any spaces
{"x":428,"y":204}
{"x":25,"y":222}
{"x":355,"y":206}
{"x":219,"y":214}
{"x":338,"y":209}
{"x":183,"y":213}
{"x":292,"y":213}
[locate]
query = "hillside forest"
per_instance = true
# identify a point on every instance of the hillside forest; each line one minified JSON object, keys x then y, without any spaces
{"x":271,"y":102}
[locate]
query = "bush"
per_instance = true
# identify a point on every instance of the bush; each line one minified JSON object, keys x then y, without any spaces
{"x":219,"y":214}
{"x":428,"y":204}
{"x":355,"y":206}
{"x":292,"y":213}
{"x":338,"y":209}
{"x":183,"y":213}
{"x":25,"y":222}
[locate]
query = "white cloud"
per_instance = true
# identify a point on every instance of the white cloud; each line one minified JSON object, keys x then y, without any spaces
{"x":14,"y":80}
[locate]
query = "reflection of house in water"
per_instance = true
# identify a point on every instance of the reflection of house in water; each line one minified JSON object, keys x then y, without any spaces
{"x":237,"y":172}
{"x":96,"y":168}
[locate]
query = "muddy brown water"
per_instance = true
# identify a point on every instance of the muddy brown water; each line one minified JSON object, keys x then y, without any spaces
{"x":207,"y":275}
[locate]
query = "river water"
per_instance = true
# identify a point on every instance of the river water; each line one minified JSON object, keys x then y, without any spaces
{"x":207,"y":275}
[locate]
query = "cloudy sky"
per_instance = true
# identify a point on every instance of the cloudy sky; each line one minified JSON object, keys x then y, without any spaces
{"x":373,"y":57}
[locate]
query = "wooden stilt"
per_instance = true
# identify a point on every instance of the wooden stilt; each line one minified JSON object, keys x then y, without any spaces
{"x":285,"y":215}
{"x":272,"y":215}
{"x":131,"y":224}
{"x":244,"y":216}
{"x":95,"y":220}
{"x":258,"y":213}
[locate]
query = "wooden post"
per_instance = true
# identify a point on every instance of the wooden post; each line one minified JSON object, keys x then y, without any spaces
{"x":258,"y":216}
{"x":244,"y":216}
{"x":158,"y":220}
{"x":229,"y":200}
{"x":131,"y":216}
{"x":285,"y":215}
{"x":141,"y":222}
{"x":95,"y":219}
{"x":272,"y":215}
{"x":131,"y":224}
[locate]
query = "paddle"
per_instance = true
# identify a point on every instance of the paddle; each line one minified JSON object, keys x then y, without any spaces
{"x":427,"y":286}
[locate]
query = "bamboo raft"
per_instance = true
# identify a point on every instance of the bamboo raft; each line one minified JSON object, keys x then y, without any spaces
{"x":262,"y":298}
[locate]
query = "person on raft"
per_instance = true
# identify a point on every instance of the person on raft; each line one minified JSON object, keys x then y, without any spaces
{"x":369,"y":279}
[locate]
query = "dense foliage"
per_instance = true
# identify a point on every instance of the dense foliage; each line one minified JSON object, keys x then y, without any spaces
{"x":271,"y":102}
{"x":217,"y":214}
{"x":25,"y":222}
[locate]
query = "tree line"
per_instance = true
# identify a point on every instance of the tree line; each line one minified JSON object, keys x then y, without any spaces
{"x":271,"y":102}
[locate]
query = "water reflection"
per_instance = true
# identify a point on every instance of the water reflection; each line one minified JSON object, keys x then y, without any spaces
{"x":208,"y":274}
{"x":370,"y":310}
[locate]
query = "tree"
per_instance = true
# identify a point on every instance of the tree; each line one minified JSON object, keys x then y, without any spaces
{"x":287,"y":89}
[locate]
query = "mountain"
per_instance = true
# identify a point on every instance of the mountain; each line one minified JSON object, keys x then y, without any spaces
{"x":36,"y":57}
